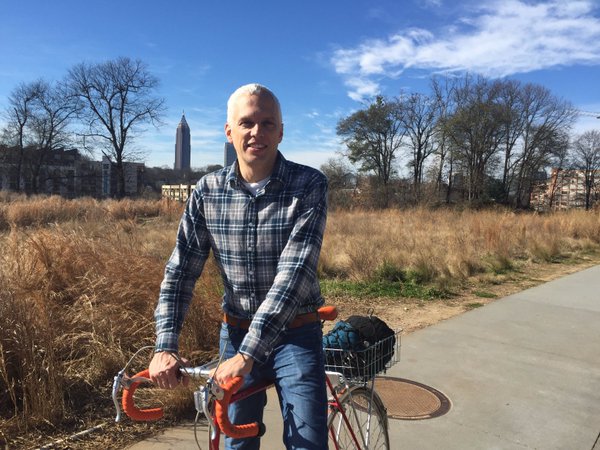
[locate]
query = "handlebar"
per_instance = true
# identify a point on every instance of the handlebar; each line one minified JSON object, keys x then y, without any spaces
{"x":222,"y":416}
{"x":128,"y":402}
{"x":221,"y":395}
{"x":221,"y":407}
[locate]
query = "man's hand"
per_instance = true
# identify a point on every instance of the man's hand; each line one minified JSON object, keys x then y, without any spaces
{"x":164,"y":371}
{"x":238,"y":366}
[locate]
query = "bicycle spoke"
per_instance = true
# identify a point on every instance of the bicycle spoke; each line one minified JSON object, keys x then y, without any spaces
{"x":367,"y":423}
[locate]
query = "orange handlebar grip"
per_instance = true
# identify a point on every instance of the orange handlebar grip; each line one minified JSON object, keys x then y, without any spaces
{"x":133,"y":411}
{"x":222,"y":415}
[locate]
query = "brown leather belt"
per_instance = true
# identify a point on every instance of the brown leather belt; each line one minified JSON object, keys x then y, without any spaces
{"x":298,"y":321}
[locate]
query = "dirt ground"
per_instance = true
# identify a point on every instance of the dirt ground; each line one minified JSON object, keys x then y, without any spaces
{"x":413,"y":314}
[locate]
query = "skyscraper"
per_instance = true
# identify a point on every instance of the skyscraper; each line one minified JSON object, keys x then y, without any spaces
{"x":229,"y":154}
{"x":183,"y":147}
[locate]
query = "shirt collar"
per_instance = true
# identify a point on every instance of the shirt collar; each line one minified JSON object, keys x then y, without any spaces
{"x":279,"y":176}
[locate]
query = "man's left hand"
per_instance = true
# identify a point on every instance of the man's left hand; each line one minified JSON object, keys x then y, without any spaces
{"x":238,"y":366}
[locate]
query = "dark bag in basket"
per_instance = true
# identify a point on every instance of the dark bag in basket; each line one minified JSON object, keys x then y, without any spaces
{"x":352,"y":346}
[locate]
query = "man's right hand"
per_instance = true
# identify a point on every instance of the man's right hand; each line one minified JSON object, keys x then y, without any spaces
{"x":164,"y":371}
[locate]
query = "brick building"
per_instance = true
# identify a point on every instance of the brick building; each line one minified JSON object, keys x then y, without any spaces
{"x":64,"y":172}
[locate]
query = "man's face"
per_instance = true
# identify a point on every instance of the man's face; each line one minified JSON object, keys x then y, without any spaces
{"x":255,"y":131}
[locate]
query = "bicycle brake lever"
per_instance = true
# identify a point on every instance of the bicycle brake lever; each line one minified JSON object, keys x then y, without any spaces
{"x":216,"y":390}
{"x":203,"y":400}
{"x":115,"y":392}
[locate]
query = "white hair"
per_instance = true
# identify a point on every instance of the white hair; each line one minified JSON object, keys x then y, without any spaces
{"x":251,"y":89}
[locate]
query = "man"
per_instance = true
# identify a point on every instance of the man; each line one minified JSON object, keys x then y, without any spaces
{"x":264,"y":219}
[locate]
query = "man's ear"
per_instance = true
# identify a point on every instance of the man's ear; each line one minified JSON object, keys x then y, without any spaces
{"x":228,"y":133}
{"x":280,"y":134}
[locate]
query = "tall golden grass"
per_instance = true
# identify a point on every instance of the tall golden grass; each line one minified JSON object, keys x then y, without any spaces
{"x":441,"y":245}
{"x":76,"y":300}
{"x":18,"y":211}
{"x":79,"y":281}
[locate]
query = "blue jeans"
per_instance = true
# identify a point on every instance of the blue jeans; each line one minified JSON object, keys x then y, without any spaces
{"x":296,"y":366}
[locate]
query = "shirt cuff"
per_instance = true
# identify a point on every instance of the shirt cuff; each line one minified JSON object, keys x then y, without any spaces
{"x":167,"y":342}
{"x":255,"y":349}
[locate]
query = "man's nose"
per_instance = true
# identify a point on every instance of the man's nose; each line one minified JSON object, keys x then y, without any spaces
{"x":257,"y":130}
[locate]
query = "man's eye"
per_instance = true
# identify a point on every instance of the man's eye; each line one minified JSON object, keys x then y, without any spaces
{"x":247,"y":124}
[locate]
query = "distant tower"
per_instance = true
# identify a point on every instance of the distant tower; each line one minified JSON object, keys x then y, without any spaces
{"x":183,"y":147}
{"x":229,"y":154}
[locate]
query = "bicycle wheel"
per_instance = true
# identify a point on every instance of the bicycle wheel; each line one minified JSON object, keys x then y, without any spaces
{"x":371,"y":434}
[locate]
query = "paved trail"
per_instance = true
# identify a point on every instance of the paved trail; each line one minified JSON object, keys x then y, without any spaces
{"x":521,"y":373}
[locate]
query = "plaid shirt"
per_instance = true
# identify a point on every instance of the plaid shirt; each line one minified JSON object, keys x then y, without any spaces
{"x":267,"y":248}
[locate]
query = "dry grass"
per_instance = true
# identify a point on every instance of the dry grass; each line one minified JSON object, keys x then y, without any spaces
{"x":79,"y":281}
{"x":441,"y":245}
{"x":76,"y":301}
{"x":42,"y":211}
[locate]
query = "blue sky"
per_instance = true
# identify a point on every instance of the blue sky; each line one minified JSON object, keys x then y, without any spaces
{"x":322,"y":58}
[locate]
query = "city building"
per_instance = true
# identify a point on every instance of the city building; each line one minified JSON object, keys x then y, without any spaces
{"x":564,"y":189}
{"x":181,"y":192}
{"x":229,"y":154}
{"x":133,"y":173}
{"x":66,"y":173}
{"x":183,"y":149}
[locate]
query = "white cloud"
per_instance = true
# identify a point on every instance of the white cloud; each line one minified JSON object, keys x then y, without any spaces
{"x":588,"y":119}
{"x":361,"y":87}
{"x":501,"y":38}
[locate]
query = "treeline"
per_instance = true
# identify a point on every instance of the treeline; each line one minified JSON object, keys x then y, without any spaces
{"x":101,"y":106}
{"x":468,"y":139}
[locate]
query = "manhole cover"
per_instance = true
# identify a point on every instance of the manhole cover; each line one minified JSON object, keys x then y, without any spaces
{"x":410,"y":400}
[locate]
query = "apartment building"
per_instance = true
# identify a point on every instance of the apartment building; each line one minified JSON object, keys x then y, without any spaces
{"x":65,"y":172}
{"x":565,"y":189}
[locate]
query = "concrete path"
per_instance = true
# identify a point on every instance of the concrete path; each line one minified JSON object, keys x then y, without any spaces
{"x":521,"y":373}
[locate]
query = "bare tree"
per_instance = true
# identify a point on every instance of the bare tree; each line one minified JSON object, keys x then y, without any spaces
{"x":52,"y":113}
{"x":510,"y":99}
{"x":475,"y":131}
{"x":419,"y":118}
{"x":339,"y":174}
{"x":18,"y":114}
{"x":586,"y":157}
{"x":116,"y":100}
{"x":373,"y":137}
{"x":443,"y":93}
{"x":546,"y":118}
{"x":342,"y":182}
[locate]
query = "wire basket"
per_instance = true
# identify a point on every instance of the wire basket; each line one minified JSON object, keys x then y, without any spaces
{"x":363,"y":365}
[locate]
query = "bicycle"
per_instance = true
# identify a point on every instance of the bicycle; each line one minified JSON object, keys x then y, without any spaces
{"x":357,"y":417}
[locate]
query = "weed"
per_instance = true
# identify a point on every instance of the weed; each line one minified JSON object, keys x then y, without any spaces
{"x":389,"y":272}
{"x":474,"y":305}
{"x":341,"y":288}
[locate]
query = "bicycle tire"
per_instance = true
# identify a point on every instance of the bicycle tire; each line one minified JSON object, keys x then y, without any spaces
{"x":355,"y":403}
